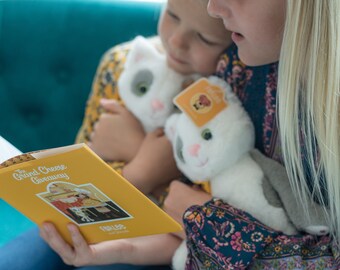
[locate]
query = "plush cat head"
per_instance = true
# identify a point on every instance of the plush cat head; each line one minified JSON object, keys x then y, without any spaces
{"x":203,"y":152}
{"x":147,"y":85}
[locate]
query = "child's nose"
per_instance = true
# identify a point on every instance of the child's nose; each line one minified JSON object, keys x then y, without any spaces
{"x":157,"y":105}
{"x":178,"y":39}
{"x":194,"y":149}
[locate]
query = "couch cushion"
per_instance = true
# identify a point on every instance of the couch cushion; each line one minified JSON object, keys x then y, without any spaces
{"x":49,"y":50}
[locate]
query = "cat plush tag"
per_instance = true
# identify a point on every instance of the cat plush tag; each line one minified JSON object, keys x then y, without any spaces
{"x":201,"y":101}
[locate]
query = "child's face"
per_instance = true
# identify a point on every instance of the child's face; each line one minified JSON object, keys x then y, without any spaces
{"x":257,"y":27}
{"x":193,"y":40}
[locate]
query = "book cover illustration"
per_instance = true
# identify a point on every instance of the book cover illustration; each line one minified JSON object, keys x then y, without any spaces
{"x":82,"y":204}
{"x":72,"y":184}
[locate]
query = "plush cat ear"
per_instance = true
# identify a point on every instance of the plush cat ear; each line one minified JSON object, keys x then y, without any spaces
{"x":141,"y":50}
{"x":228,"y":93}
{"x":171,"y":126}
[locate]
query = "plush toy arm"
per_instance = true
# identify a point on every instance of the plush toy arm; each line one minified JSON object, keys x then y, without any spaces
{"x":278,"y":178}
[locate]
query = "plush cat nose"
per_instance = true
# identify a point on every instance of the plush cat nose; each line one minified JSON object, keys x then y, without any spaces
{"x":157,"y":105}
{"x":193,"y":149}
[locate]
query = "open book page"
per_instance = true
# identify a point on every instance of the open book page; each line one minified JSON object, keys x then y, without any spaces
{"x":7,"y":150}
{"x":55,"y":151}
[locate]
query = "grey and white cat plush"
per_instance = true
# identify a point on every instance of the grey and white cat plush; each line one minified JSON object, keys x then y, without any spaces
{"x":147,"y":84}
{"x":219,"y":152}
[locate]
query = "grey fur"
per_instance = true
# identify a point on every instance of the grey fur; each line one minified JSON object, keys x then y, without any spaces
{"x":277,"y":178}
{"x":271,"y":194}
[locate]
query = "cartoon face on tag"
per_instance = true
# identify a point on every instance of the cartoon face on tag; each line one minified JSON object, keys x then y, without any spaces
{"x":201,"y":103}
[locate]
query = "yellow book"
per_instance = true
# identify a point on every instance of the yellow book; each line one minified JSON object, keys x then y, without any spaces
{"x":72,"y":184}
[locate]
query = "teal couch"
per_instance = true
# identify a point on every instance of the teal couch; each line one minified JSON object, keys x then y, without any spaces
{"x":49,"y":51}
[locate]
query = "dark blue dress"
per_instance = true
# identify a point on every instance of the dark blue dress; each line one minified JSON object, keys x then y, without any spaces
{"x":222,"y":237}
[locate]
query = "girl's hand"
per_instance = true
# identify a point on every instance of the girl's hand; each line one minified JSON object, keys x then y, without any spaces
{"x":180,"y":198}
{"x":154,"y":164}
{"x":117,"y":135}
{"x":139,"y":251}
{"x":78,"y":255}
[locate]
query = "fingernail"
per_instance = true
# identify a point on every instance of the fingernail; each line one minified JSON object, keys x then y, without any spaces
{"x":105,"y":101}
{"x":46,"y":228}
{"x":71,"y":228}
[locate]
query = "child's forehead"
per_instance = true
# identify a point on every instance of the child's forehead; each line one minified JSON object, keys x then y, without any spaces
{"x":197,"y":6}
{"x":198,"y":16}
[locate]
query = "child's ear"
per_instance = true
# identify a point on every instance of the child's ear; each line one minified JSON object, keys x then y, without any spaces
{"x":141,"y":50}
{"x":171,"y":126}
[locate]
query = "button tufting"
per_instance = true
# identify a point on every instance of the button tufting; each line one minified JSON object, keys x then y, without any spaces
{"x":33,"y":115}
{"x":63,"y":76}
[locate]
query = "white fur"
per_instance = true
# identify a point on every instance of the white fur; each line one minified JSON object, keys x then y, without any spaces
{"x":224,"y":160}
{"x":146,"y":66}
{"x":180,"y":256}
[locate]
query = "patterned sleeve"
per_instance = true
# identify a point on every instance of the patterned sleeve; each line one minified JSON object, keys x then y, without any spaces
{"x":104,"y":86}
{"x":222,"y":237}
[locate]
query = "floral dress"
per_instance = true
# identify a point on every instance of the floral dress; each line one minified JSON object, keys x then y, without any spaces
{"x":222,"y":237}
{"x":104,"y":86}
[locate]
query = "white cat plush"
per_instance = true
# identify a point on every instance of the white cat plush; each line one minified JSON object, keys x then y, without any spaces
{"x":147,"y":84}
{"x":219,"y":152}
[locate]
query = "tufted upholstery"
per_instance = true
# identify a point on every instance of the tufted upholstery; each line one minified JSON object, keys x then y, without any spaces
{"x":49,"y":51}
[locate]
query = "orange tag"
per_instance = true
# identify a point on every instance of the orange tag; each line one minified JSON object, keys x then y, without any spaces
{"x":201,"y":101}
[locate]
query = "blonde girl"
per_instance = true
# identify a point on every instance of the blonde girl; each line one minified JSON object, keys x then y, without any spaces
{"x":304,"y":35}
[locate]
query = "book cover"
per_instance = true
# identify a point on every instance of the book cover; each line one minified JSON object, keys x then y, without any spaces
{"x":72,"y":184}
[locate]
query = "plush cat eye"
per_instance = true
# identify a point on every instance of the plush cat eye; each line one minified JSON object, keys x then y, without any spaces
{"x":206,"y":134}
{"x":142,"y":82}
{"x":141,"y":88}
{"x":179,"y":149}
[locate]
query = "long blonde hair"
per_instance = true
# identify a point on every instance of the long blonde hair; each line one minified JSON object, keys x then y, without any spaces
{"x":308,"y":103}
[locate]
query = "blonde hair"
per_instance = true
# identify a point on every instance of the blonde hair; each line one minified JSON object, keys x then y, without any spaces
{"x":308,"y":103}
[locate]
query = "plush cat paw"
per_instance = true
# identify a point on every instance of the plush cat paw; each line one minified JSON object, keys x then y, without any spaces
{"x":317,"y":229}
{"x":180,"y":256}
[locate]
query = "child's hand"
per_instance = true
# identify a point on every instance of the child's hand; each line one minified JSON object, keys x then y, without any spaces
{"x":80,"y":254}
{"x":180,"y":197}
{"x":117,"y":135}
{"x":154,"y":164}
{"x":140,"y":250}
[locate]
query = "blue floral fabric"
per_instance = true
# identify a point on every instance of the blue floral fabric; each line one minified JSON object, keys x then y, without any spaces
{"x":222,"y":237}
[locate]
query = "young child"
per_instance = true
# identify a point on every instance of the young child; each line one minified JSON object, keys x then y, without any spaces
{"x":192,"y":43}
{"x":305,"y":36}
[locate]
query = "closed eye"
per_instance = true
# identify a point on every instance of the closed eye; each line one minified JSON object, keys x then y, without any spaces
{"x":172,"y":15}
{"x":205,"y":40}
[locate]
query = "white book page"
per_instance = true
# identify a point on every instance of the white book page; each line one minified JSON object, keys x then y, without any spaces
{"x":54,"y":151}
{"x":7,"y":150}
